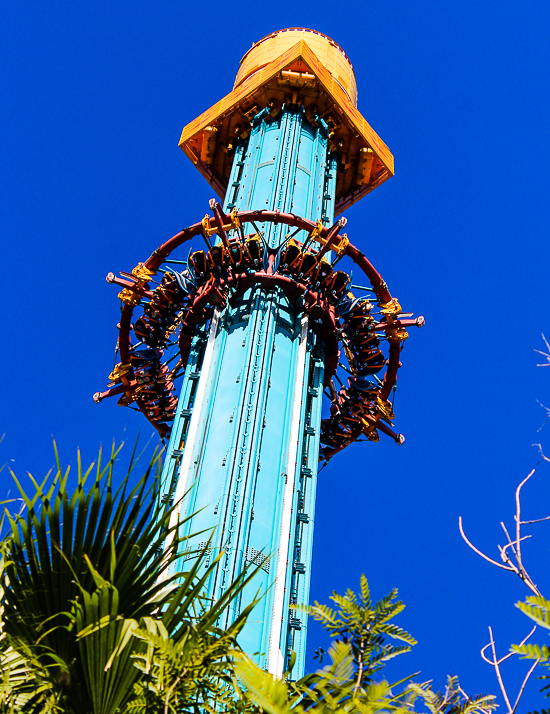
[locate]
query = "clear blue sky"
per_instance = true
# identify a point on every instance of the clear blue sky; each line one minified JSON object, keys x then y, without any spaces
{"x":94,"y":97}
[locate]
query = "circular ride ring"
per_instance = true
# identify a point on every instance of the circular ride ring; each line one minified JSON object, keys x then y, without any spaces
{"x":184,"y":301}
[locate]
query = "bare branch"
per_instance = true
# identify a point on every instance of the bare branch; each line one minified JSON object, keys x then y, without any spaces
{"x":495,"y":662}
{"x":484,"y":657}
{"x":497,"y":670}
{"x":541,"y":427}
{"x":511,"y":545}
{"x":521,"y":571}
{"x":504,"y":555}
{"x":541,"y":452}
{"x":524,"y":640}
{"x":510,"y":654}
{"x":518,"y":519}
{"x":544,"y":354}
{"x":529,"y":673}
{"x":536,"y":520}
{"x":476,"y":550}
{"x":515,"y":545}
{"x":509,"y":539}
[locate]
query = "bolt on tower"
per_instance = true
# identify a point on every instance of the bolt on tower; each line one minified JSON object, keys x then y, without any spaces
{"x":263,"y":322}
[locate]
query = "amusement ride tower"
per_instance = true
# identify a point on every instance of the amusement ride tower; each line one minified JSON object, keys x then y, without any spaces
{"x":259,"y":323}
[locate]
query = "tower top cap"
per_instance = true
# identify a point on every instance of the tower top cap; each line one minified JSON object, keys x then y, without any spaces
{"x":329,"y":53}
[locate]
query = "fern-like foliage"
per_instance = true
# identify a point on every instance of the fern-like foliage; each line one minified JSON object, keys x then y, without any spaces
{"x":364,"y":627}
{"x":333,"y":690}
{"x":358,"y":651}
{"x":453,"y":700}
{"x":191,"y":666}
{"x":94,"y":621}
{"x":179,"y":673}
{"x":537,"y":609}
{"x":24,"y":682}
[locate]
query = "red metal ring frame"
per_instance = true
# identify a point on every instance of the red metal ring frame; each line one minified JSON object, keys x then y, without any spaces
{"x":316,"y":305}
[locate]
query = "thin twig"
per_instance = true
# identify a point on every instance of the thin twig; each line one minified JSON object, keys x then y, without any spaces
{"x":484,"y":657}
{"x":507,"y":536}
{"x":510,"y":545}
{"x":497,"y":670}
{"x":476,"y":550}
{"x":524,"y":640}
{"x":541,"y":427}
{"x":518,"y":518}
{"x":541,"y":452}
{"x":167,"y":700}
{"x":544,"y":354}
{"x":536,"y":520}
{"x":497,"y":662}
{"x":510,"y":654}
{"x":523,"y":574}
{"x":529,"y":673}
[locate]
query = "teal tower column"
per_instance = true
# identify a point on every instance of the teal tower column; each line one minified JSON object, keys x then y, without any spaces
{"x":250,"y":408}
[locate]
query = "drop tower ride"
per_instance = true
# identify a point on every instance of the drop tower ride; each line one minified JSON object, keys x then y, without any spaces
{"x":259,"y":323}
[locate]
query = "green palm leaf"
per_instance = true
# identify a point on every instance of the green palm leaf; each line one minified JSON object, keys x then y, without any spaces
{"x":89,"y":560}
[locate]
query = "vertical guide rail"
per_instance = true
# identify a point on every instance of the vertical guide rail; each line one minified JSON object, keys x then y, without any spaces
{"x":298,"y":575}
{"x":276,"y":660}
{"x":193,"y":426}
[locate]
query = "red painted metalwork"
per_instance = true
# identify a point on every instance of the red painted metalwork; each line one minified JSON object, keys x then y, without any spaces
{"x":369,"y":410}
